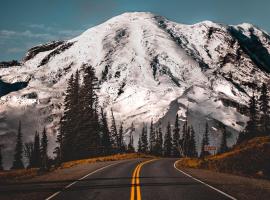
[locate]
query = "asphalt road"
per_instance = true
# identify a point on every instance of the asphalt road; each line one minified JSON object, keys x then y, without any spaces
{"x":139,"y":179}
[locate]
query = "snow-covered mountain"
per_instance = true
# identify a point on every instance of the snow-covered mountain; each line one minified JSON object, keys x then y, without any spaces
{"x":149,"y":68}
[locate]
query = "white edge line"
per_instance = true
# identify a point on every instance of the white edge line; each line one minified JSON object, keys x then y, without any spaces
{"x":97,"y":170}
{"x":221,"y":192}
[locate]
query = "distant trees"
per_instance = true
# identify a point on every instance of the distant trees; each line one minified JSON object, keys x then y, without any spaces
{"x":223,"y":147}
{"x":259,"y":116}
{"x":205,"y":142}
{"x":264,"y":107}
{"x":168,"y":141}
{"x":44,"y":151}
{"x":130,"y":147}
{"x":18,"y":163}
{"x":176,"y":138}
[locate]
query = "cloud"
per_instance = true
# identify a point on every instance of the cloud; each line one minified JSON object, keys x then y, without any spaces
{"x":15,"y":50}
{"x":40,"y":27}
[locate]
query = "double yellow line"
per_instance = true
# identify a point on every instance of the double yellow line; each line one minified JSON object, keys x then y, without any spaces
{"x":135,"y":182}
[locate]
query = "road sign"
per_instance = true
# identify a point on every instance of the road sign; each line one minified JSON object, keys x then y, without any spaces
{"x":210,"y":148}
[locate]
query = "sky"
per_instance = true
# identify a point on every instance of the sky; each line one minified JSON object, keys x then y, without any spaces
{"x":25,"y":23}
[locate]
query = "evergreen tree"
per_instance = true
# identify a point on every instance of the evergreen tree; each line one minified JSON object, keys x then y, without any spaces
{"x":168,"y":141}
{"x":192,"y":144}
{"x":223,"y":147}
{"x":28,"y":153}
{"x":144,"y":139}
{"x":59,"y":140}
{"x":114,"y":133}
{"x":265,"y":110}
{"x":131,"y":142}
{"x":36,"y":160}
{"x":139,"y":145}
{"x":106,"y":139}
{"x":160,"y":141}
{"x":152,"y":138}
{"x":121,"y":144}
{"x":17,"y":163}
{"x":176,"y":138}
{"x":205,"y":142}
{"x":186,"y":139}
{"x":67,"y":122}
{"x":1,"y":162}
{"x":44,"y":150}
{"x":251,"y":129}
{"x":88,"y":139}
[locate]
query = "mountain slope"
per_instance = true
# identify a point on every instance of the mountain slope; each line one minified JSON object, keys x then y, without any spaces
{"x":149,"y":68}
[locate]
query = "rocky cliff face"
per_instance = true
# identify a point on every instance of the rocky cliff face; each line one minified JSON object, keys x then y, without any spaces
{"x":148,"y":68}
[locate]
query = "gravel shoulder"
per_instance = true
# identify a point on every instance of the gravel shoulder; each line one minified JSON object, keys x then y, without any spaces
{"x":242,"y":188}
{"x":41,"y":187}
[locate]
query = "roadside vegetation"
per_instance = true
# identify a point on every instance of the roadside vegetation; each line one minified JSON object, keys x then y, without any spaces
{"x":250,"y":155}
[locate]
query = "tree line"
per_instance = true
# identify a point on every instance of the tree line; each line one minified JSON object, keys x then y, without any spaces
{"x":84,"y":129}
{"x":35,"y":152}
{"x":259,"y":116}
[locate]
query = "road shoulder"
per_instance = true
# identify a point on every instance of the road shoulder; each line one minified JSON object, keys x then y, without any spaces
{"x":242,"y":188}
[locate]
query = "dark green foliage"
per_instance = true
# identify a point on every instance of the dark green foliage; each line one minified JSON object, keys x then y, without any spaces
{"x":28,"y":153}
{"x":44,"y":151}
{"x":265,"y":111}
{"x":131,"y":141}
{"x":223,"y":147}
{"x":205,"y":142}
{"x":251,"y":129}
{"x":58,"y":151}
{"x":152,"y":138}
{"x":120,"y":142}
{"x":87,"y":134}
{"x":105,"y":138}
{"x":17,"y":163}
{"x":36,"y":156}
{"x":144,"y":139}
{"x":139,"y":145}
{"x":168,"y":141}
{"x":114,"y":132}
{"x":176,"y":138}
{"x":192,"y":150}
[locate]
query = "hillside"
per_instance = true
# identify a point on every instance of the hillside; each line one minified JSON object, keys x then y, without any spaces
{"x":250,"y":158}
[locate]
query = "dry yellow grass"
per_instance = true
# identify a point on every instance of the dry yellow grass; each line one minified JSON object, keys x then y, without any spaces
{"x":250,"y":158}
{"x":105,"y":158}
{"x":17,"y":174}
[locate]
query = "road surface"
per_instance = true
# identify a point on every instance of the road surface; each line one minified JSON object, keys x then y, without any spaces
{"x":139,"y":179}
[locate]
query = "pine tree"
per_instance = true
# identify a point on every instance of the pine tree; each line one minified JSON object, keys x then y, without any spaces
{"x":106,"y":139}
{"x":36,"y":160}
{"x":121,"y":144}
{"x":1,"y":162}
{"x":88,"y":139}
{"x":44,"y":150}
{"x":144,"y":139}
{"x":251,"y":129}
{"x":176,"y":138}
{"x":114,"y":132}
{"x":28,"y":153}
{"x":67,"y":123}
{"x":17,"y":163}
{"x":152,"y":138}
{"x":139,"y":145}
{"x":131,"y":142}
{"x":223,"y":147}
{"x":59,"y":149}
{"x":265,"y":110}
{"x":160,"y":141}
{"x":205,"y":142}
{"x":192,"y":144}
{"x":168,"y":141}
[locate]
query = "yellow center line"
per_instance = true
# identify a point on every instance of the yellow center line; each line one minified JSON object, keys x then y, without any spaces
{"x":136,"y":179}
